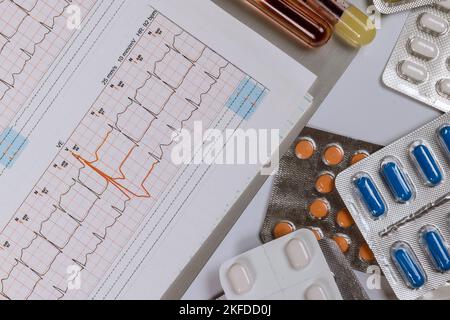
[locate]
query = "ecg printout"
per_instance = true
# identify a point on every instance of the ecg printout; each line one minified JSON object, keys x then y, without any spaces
{"x":110,"y":190}
{"x":33,"y":34}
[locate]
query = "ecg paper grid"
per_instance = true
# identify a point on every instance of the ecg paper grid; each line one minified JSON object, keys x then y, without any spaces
{"x":106,"y":179}
{"x":33,"y":33}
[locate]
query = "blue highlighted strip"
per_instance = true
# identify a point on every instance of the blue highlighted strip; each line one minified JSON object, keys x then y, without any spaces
{"x":246,"y":98}
{"x":12,"y":144}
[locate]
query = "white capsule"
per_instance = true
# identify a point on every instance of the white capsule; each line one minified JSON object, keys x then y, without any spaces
{"x":444,"y":87}
{"x":443,"y":5}
{"x":412,"y":72}
{"x":240,"y":278}
{"x":433,"y":24}
{"x":316,"y":292}
{"x":297,"y":254}
{"x":423,"y":48}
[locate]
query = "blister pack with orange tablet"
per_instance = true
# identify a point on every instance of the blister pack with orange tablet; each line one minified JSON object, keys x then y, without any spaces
{"x":304,"y":193}
{"x":292,"y":268}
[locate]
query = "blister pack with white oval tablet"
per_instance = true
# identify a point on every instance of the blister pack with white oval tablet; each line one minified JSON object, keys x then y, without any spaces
{"x":392,"y":6}
{"x":291,"y":268}
{"x":400,"y":199}
{"x":420,"y":63}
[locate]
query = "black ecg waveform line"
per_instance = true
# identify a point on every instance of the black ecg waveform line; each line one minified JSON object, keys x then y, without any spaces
{"x":50,"y":29}
{"x":35,"y":45}
{"x":20,"y":147}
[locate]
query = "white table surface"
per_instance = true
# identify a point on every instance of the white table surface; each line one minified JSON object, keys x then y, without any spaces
{"x":360,"y":107}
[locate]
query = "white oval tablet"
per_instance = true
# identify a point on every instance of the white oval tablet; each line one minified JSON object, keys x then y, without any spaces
{"x":240,"y":278}
{"x":423,"y":48}
{"x":413,"y":72}
{"x":316,"y":292}
{"x":433,"y":24}
{"x":297,"y":253}
{"x":443,"y":5}
{"x":444,"y":87}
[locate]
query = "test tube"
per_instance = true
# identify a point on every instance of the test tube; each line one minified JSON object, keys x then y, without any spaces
{"x":305,"y":24}
{"x":350,"y":23}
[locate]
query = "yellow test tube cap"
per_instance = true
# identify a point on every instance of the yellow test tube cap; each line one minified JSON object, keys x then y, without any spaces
{"x":355,"y":28}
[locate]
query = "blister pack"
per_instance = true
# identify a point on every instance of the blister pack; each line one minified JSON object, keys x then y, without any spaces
{"x":347,"y":279}
{"x":292,"y":268}
{"x":304,"y":193}
{"x":420,"y":63}
{"x":400,"y":200}
{"x":392,"y":6}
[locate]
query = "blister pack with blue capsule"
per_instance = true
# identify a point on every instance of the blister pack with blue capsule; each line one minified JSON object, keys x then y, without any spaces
{"x":400,"y":199}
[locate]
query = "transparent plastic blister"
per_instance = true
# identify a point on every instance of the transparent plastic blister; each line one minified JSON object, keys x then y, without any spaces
{"x":410,"y":240}
{"x":392,"y":6}
{"x":398,"y":180}
{"x":292,"y":267}
{"x":420,"y":63}
{"x":369,"y":195}
{"x":435,"y":245}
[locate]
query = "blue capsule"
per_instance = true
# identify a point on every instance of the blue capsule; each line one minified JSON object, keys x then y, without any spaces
{"x":408,"y":266}
{"x":371,"y":196}
{"x":397,"y":182}
{"x":444,"y":137}
{"x":427,"y":164}
{"x":436,"y":248}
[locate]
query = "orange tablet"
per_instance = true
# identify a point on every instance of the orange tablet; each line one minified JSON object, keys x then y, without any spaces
{"x":319,"y":208}
{"x":305,"y":149}
{"x":325,"y":183}
{"x":344,"y":218}
{"x":283,"y":228}
{"x":333,"y":155}
{"x":343,"y":242}
{"x":357,"y":157}
{"x":365,"y":254}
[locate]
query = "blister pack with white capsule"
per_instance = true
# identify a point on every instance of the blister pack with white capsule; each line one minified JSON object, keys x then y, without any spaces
{"x":420,"y":63}
{"x":400,"y":199}
{"x":292,"y":268}
{"x":392,"y":6}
